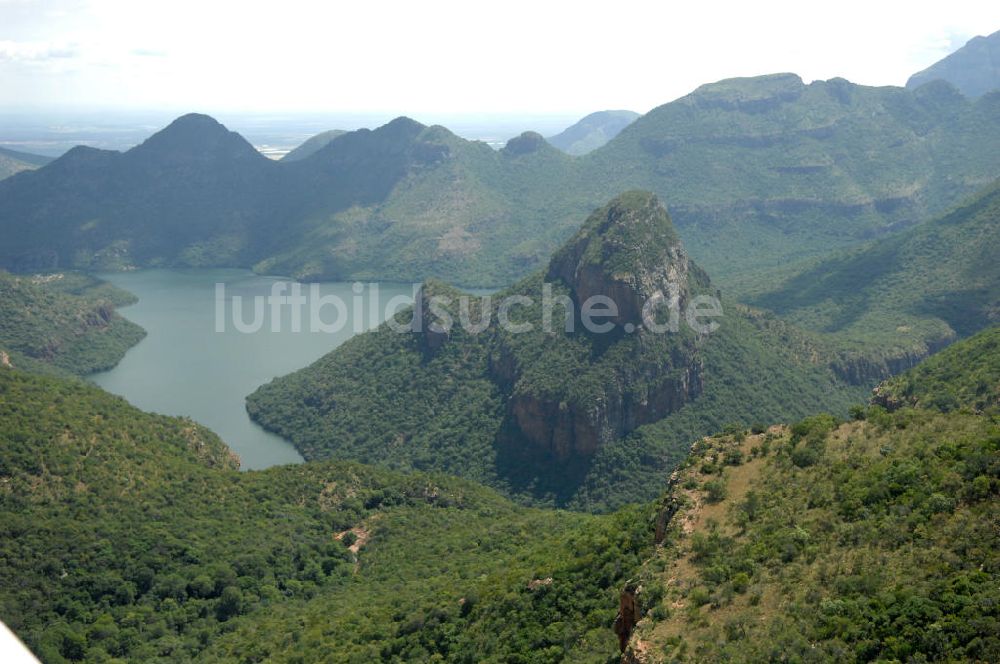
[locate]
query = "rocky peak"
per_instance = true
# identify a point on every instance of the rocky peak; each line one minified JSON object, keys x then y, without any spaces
{"x":526,"y":143}
{"x":627,"y":250}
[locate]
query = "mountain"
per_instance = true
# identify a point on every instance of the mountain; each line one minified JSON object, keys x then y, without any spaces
{"x":592,"y":131}
{"x":896,"y":299}
{"x":191,"y":194}
{"x":974,"y":69}
{"x":12,"y":161}
{"x":63,"y":323}
{"x":133,"y":537}
{"x":549,"y":415}
{"x":759,"y":172}
{"x":313,"y":144}
{"x":869,"y":540}
{"x":966,"y":374}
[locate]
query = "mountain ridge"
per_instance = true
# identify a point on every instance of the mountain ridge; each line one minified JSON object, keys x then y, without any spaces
{"x":973,"y":69}
{"x":757,"y":171}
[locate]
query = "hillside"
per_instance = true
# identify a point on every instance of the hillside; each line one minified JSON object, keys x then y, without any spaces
{"x":898,"y":298}
{"x":63,"y":323}
{"x":592,"y":131}
{"x":870,"y":540}
{"x":974,"y":69}
{"x":313,"y":145}
{"x":764,"y":170}
{"x":132,"y":536}
{"x":758,"y":172}
{"x":572,"y":418}
{"x":12,"y":161}
{"x":964,"y":374}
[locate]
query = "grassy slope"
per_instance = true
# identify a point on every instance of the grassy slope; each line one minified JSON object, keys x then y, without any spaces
{"x":64,"y":323}
{"x":907,"y":292}
{"x":868,"y":540}
{"x":132,"y":535}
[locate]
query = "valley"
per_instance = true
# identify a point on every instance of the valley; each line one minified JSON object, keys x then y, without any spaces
{"x":714,"y":382}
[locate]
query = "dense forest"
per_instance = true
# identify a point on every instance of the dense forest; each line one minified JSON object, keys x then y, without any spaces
{"x":64,"y":323}
{"x":795,"y":458}
{"x":132,"y":536}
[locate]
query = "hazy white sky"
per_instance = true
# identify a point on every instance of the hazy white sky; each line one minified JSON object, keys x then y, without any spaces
{"x":412,"y":57}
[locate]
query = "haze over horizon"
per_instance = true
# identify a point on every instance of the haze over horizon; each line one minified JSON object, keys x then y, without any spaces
{"x":552,"y":58}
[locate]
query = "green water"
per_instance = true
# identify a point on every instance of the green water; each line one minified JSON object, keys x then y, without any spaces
{"x":185,"y":367}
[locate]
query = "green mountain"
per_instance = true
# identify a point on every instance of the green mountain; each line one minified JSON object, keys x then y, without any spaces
{"x":974,"y":69}
{"x":127,"y":536}
{"x":966,"y":374}
{"x":592,"y":131}
{"x":190,"y":194}
{"x":871,"y":540}
{"x":63,"y":323}
{"x":550,"y":415}
{"x":759,"y":172}
{"x":891,"y":302}
{"x":764,"y":170}
{"x":313,"y":144}
{"x":12,"y":161}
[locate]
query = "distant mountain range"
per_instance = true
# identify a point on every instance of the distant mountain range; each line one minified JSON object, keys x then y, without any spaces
{"x":756,"y":172}
{"x":592,"y":131}
{"x":12,"y":161}
{"x":974,"y":69}
{"x":313,"y":145}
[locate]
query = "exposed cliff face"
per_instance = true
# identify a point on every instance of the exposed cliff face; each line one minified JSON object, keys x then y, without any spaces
{"x":628,"y":615}
{"x":861,"y":369}
{"x":563,"y":428}
{"x":627,"y":252}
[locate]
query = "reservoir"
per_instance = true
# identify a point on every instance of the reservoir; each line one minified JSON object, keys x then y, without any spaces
{"x":196,"y":362}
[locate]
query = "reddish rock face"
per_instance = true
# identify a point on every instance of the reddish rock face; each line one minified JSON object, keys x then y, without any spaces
{"x":627,"y":251}
{"x":566,"y":430}
{"x":628,"y":615}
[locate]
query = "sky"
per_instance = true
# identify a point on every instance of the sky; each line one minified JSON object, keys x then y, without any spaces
{"x":451,"y":57}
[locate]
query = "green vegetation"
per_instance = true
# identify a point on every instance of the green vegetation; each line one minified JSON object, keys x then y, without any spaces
{"x":132,"y":536}
{"x":583,"y":420}
{"x":902,"y":296}
{"x":757,"y":172}
{"x":63,"y":322}
{"x":965,"y":375}
{"x":873,"y":540}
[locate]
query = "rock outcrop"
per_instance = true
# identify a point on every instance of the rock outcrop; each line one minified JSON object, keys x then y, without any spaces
{"x":628,"y":614}
{"x":627,"y":252}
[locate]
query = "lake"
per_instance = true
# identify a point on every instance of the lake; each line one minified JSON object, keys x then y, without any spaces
{"x":187,"y":366}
